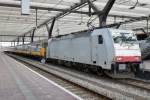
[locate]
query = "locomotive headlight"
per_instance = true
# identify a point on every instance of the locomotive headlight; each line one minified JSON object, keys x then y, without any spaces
{"x":137,"y":58}
{"x":119,"y":58}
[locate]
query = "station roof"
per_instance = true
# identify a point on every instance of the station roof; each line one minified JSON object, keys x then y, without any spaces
{"x":13,"y":24}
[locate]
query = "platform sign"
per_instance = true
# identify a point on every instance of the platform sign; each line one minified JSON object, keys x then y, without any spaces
{"x":25,"y":7}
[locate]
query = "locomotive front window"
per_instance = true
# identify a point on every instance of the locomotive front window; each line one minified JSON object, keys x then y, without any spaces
{"x":100,"y":39}
{"x":124,"y":37}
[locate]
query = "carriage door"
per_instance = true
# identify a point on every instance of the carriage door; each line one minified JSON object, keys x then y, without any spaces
{"x":99,"y":55}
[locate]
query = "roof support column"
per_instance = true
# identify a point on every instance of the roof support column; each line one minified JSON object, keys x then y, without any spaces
{"x":104,"y":13}
{"x":23,"y":38}
{"x":90,"y":11}
{"x":14,"y":43}
{"x":147,"y":24}
{"x":32,"y":36}
{"x":18,"y":41}
{"x":11,"y":44}
{"x":49,"y":30}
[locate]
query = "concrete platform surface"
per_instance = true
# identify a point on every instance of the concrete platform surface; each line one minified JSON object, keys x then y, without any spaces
{"x":147,"y":65}
{"x":17,"y":82}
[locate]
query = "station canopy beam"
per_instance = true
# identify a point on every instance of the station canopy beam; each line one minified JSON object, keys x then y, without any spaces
{"x":104,"y":13}
{"x":118,"y":24}
{"x":32,"y":36}
{"x":143,"y":29}
{"x":140,"y":29}
{"x":132,"y":20}
{"x":19,"y":36}
{"x":40,"y":6}
{"x":72,"y":9}
{"x":44,"y":6}
{"x":51,"y":28}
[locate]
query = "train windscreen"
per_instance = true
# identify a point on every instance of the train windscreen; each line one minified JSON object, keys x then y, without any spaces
{"x":124,"y":38}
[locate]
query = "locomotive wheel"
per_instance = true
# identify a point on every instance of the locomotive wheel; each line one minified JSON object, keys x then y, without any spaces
{"x":99,"y":71}
{"x":136,"y":68}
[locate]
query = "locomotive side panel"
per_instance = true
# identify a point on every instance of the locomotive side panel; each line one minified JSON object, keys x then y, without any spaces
{"x":77,"y":49}
{"x":84,"y":49}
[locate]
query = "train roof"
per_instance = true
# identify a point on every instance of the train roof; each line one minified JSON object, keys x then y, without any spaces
{"x":88,"y":32}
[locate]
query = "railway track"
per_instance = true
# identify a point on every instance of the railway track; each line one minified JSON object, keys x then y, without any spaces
{"x":139,"y":83}
{"x":108,"y":88}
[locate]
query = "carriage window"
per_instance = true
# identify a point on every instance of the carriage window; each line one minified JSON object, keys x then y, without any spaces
{"x":100,"y":39}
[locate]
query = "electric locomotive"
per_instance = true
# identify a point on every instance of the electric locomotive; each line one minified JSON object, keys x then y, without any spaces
{"x":113,"y":51}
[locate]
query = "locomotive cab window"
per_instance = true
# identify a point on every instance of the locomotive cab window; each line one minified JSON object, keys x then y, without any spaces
{"x":100,"y":39}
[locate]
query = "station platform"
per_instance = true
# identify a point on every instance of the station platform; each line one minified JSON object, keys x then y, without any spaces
{"x":147,"y":65}
{"x":145,"y":73}
{"x":17,"y":82}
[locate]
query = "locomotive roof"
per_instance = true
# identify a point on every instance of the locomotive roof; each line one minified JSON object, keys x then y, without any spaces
{"x":79,"y":33}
